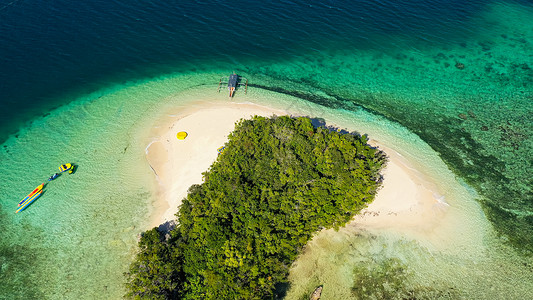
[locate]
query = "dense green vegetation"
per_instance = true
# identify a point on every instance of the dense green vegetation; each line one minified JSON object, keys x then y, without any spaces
{"x":278,"y":181}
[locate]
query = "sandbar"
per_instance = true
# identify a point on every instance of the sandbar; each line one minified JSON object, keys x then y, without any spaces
{"x":407,"y":202}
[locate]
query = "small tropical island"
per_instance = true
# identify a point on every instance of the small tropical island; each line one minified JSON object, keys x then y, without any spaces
{"x":278,"y":181}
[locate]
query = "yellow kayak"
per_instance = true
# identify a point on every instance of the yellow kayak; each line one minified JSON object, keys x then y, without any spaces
{"x":35,"y":191}
{"x":29,"y":201}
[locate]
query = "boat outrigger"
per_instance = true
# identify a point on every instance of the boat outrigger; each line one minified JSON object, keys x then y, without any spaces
{"x":233,"y":82}
{"x":35,"y":191}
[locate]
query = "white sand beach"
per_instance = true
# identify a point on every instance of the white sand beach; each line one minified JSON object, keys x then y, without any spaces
{"x":407,"y":200}
{"x":178,"y":164}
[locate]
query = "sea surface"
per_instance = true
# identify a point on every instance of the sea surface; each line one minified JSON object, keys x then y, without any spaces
{"x":450,"y":82}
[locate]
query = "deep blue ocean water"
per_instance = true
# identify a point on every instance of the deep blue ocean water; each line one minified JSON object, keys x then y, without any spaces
{"x":52,"y":48}
{"x":457,"y":73}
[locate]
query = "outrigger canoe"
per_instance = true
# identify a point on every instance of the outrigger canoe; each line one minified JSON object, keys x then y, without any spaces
{"x":36,"y":190}
{"x":29,"y":201}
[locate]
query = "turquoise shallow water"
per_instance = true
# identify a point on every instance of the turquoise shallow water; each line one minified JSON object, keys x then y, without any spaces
{"x":85,"y":224}
{"x":76,"y":241}
{"x":75,"y":88}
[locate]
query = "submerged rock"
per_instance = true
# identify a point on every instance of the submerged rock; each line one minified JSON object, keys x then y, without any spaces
{"x":316,"y":294}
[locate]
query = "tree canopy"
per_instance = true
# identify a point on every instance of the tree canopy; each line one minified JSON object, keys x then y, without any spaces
{"x":278,"y":181}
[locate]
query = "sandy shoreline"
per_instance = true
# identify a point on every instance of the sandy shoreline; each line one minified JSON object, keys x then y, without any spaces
{"x":408,"y":202}
{"x":178,"y":164}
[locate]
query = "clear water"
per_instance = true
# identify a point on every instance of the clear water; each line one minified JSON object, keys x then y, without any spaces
{"x":448,"y":81}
